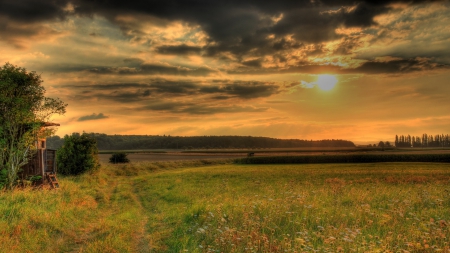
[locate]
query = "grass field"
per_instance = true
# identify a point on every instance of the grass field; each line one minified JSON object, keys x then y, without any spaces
{"x":181,"y":155}
{"x":216,"y":206}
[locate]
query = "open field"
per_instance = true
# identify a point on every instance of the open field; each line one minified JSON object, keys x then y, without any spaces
{"x":194,"y":206}
{"x":182,"y":155}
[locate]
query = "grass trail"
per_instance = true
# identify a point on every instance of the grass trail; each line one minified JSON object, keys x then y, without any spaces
{"x":190,"y":207}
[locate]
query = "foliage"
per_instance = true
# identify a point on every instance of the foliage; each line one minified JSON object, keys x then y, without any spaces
{"x":439,"y":140}
{"x":23,"y":109}
{"x":119,"y":157}
{"x":35,"y":178}
{"x":133,"y":142}
{"x":3,"y":178}
{"x":357,"y":158}
{"x":79,"y":154}
{"x":54,"y":142}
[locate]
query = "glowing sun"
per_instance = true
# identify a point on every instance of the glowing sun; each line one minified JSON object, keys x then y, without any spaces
{"x":326,"y":82}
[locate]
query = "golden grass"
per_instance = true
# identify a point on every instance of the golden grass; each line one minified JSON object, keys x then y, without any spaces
{"x":181,"y":207}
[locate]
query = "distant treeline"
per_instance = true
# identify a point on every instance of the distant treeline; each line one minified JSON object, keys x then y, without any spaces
{"x":424,"y":141}
{"x":130,"y":142}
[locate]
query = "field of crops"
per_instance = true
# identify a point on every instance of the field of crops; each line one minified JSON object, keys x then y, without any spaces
{"x":181,"y":155}
{"x":217,"y":206}
{"x":353,"y":158}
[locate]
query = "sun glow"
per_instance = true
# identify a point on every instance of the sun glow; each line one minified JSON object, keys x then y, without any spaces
{"x":326,"y":82}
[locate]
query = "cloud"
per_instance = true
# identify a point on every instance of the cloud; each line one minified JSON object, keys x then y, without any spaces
{"x":22,"y":21}
{"x":179,"y":50}
{"x":200,"y":109}
{"x":255,"y":34}
{"x":250,"y":90}
{"x":307,"y":85}
{"x":396,"y":66}
{"x":384,"y":65}
{"x":31,"y":11}
{"x":93,"y":117}
{"x":162,"y":89}
{"x":237,"y":27}
{"x":153,"y":69}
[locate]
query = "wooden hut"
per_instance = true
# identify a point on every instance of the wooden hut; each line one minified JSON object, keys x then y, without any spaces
{"x":42,"y":165}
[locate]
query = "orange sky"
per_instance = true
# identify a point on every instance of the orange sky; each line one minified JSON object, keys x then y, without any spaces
{"x":238,"y":67}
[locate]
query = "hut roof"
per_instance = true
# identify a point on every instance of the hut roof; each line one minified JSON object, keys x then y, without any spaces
{"x":48,"y":124}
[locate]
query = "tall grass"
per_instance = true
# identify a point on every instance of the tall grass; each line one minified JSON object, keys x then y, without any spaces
{"x":196,"y":206}
{"x":292,"y":208}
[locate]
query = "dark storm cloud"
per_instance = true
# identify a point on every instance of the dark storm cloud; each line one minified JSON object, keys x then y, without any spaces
{"x":21,"y":20}
{"x":199,"y":109}
{"x":246,"y":29}
{"x":125,"y":96}
{"x":396,"y":66}
{"x":161,"y":89}
{"x":253,"y":63}
{"x":250,"y":89}
{"x":93,"y":117}
{"x":31,"y":11}
{"x":133,"y":66}
{"x":133,"y":61}
{"x":241,"y":26}
{"x":179,"y":50}
{"x":301,"y":68}
{"x":152,"y":69}
{"x":236,"y":26}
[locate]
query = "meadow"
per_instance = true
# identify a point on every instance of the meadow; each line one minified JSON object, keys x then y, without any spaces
{"x":158,"y":155}
{"x":220,"y":206}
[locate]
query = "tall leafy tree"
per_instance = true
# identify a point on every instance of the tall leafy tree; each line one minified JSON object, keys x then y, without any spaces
{"x":23,"y":110}
{"x":79,"y":154}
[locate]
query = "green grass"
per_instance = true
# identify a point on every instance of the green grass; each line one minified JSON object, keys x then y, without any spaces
{"x":197,"y":206}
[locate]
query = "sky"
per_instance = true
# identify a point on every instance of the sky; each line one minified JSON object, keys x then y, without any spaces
{"x":309,"y":69}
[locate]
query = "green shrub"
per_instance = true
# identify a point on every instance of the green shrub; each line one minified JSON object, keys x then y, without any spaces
{"x":119,"y":157}
{"x":78,"y":154}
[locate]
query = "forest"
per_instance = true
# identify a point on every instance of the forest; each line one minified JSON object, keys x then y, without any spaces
{"x":424,"y":141}
{"x":130,"y":142}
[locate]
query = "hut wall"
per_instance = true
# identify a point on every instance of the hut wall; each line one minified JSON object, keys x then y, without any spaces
{"x":50,"y":160}
{"x":34,"y":165}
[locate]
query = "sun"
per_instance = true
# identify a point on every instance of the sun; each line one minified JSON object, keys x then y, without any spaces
{"x":326,"y":82}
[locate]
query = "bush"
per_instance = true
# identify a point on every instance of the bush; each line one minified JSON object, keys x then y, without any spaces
{"x":119,"y":157}
{"x":78,"y":154}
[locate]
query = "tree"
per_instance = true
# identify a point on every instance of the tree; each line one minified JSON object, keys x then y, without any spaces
{"x":23,"y":109}
{"x":79,"y":154}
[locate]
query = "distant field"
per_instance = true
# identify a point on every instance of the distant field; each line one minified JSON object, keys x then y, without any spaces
{"x":177,"y":155}
{"x":216,"y":206}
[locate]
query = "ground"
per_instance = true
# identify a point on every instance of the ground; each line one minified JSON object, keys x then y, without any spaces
{"x":194,"y":206}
